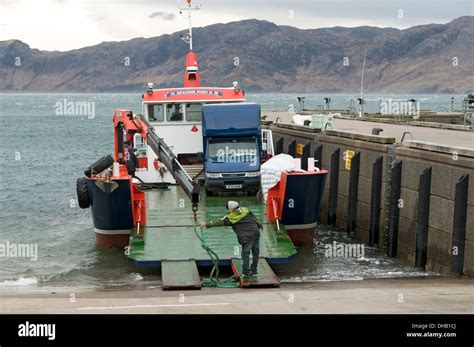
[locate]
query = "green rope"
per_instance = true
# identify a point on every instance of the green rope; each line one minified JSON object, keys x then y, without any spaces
{"x":214,"y":280}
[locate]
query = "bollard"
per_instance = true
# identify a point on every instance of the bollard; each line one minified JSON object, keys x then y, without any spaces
{"x":376,"y":131}
{"x":292,"y":148}
{"x":279,"y":146}
{"x":333,"y":186}
{"x":318,"y":155}
{"x":459,"y":224}
{"x":305,"y":156}
{"x":353,"y":193}
{"x":423,"y":214}
{"x":394,"y":210}
{"x":375,"y":200}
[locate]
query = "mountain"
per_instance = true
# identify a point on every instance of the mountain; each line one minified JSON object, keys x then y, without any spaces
{"x":262,"y":56}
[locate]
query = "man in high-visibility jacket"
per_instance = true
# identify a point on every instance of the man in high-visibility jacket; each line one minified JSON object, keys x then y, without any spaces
{"x":246,"y":227}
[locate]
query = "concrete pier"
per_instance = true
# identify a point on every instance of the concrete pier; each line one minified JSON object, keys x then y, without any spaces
{"x":423,"y":211}
{"x":450,"y":137}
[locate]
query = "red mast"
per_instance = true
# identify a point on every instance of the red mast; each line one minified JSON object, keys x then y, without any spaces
{"x":191,"y":75}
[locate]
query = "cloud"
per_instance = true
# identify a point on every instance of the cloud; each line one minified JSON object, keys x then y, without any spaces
{"x":162,"y":15}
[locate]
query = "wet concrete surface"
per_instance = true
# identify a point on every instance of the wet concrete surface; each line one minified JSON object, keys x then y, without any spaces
{"x":403,"y":295}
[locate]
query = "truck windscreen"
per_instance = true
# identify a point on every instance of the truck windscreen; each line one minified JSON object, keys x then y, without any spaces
{"x":231,"y":150}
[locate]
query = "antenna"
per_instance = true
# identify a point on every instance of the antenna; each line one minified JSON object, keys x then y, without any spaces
{"x":188,"y":38}
{"x":362,"y":77}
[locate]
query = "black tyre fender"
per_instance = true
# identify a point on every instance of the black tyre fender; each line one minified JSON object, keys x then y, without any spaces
{"x":82,"y":193}
{"x":100,"y":165}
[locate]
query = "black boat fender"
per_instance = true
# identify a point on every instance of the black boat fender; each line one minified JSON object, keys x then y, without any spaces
{"x":82,"y":193}
{"x":100,"y":165}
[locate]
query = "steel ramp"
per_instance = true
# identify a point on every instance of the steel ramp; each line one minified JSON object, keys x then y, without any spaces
{"x":169,"y":232}
{"x":265,"y":278}
{"x":180,"y":274}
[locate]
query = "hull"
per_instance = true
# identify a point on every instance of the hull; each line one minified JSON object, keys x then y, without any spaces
{"x":111,"y":211}
{"x":296,"y":202}
{"x":301,"y":235}
{"x":303,"y":194}
{"x":303,"y":197}
{"x":112,"y":238}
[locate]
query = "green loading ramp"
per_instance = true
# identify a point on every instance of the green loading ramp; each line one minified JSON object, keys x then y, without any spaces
{"x":169,"y":231}
{"x":168,"y":240}
{"x":180,"y":274}
{"x":265,"y":278}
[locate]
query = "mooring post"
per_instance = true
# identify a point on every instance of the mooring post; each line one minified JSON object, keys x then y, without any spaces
{"x":459,"y":224}
{"x":292,"y":148}
{"x":375,"y":200}
{"x":423,"y":214}
{"x":353,"y":193}
{"x":305,"y":156}
{"x":394,"y":209}
{"x":279,"y":146}
{"x":333,"y":186}
{"x":318,"y":155}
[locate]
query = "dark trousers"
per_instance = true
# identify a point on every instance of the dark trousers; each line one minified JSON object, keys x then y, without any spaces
{"x":254,"y":247}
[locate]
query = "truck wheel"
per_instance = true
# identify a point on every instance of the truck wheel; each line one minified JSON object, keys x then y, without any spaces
{"x":209,"y":192}
{"x":82,"y":194}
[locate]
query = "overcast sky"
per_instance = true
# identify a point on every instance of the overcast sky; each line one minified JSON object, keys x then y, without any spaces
{"x":69,"y":24}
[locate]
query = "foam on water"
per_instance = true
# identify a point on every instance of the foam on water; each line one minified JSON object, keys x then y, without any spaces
{"x":22,"y":281}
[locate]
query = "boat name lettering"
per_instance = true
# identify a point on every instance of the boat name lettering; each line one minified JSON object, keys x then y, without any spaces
{"x":193,"y":92}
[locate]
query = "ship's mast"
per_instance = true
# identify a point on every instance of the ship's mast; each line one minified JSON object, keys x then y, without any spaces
{"x":191,"y":75}
{"x":362,"y":77}
{"x":361,"y":100}
{"x":188,"y":38}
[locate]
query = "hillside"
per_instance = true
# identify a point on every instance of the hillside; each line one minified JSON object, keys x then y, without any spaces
{"x":271,"y":58}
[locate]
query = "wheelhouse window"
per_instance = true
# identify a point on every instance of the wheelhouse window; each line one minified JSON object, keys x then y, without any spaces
{"x":193,"y":112}
{"x":156,"y":113}
{"x":174,"y":112}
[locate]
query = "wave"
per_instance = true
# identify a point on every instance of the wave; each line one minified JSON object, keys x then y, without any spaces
{"x":22,"y":281}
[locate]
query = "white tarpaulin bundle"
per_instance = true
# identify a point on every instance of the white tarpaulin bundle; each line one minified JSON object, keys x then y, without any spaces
{"x":270,"y":171}
{"x":299,"y":119}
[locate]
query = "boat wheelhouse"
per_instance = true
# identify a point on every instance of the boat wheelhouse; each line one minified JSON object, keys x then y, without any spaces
{"x":176,"y":117}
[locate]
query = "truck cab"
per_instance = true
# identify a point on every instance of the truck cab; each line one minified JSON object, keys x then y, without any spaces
{"x":232,"y":147}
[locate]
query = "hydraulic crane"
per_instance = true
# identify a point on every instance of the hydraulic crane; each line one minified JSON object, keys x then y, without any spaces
{"x":128,"y":124}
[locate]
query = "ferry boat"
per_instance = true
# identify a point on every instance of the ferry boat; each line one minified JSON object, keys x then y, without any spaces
{"x":165,"y":145}
{"x":174,"y":116}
